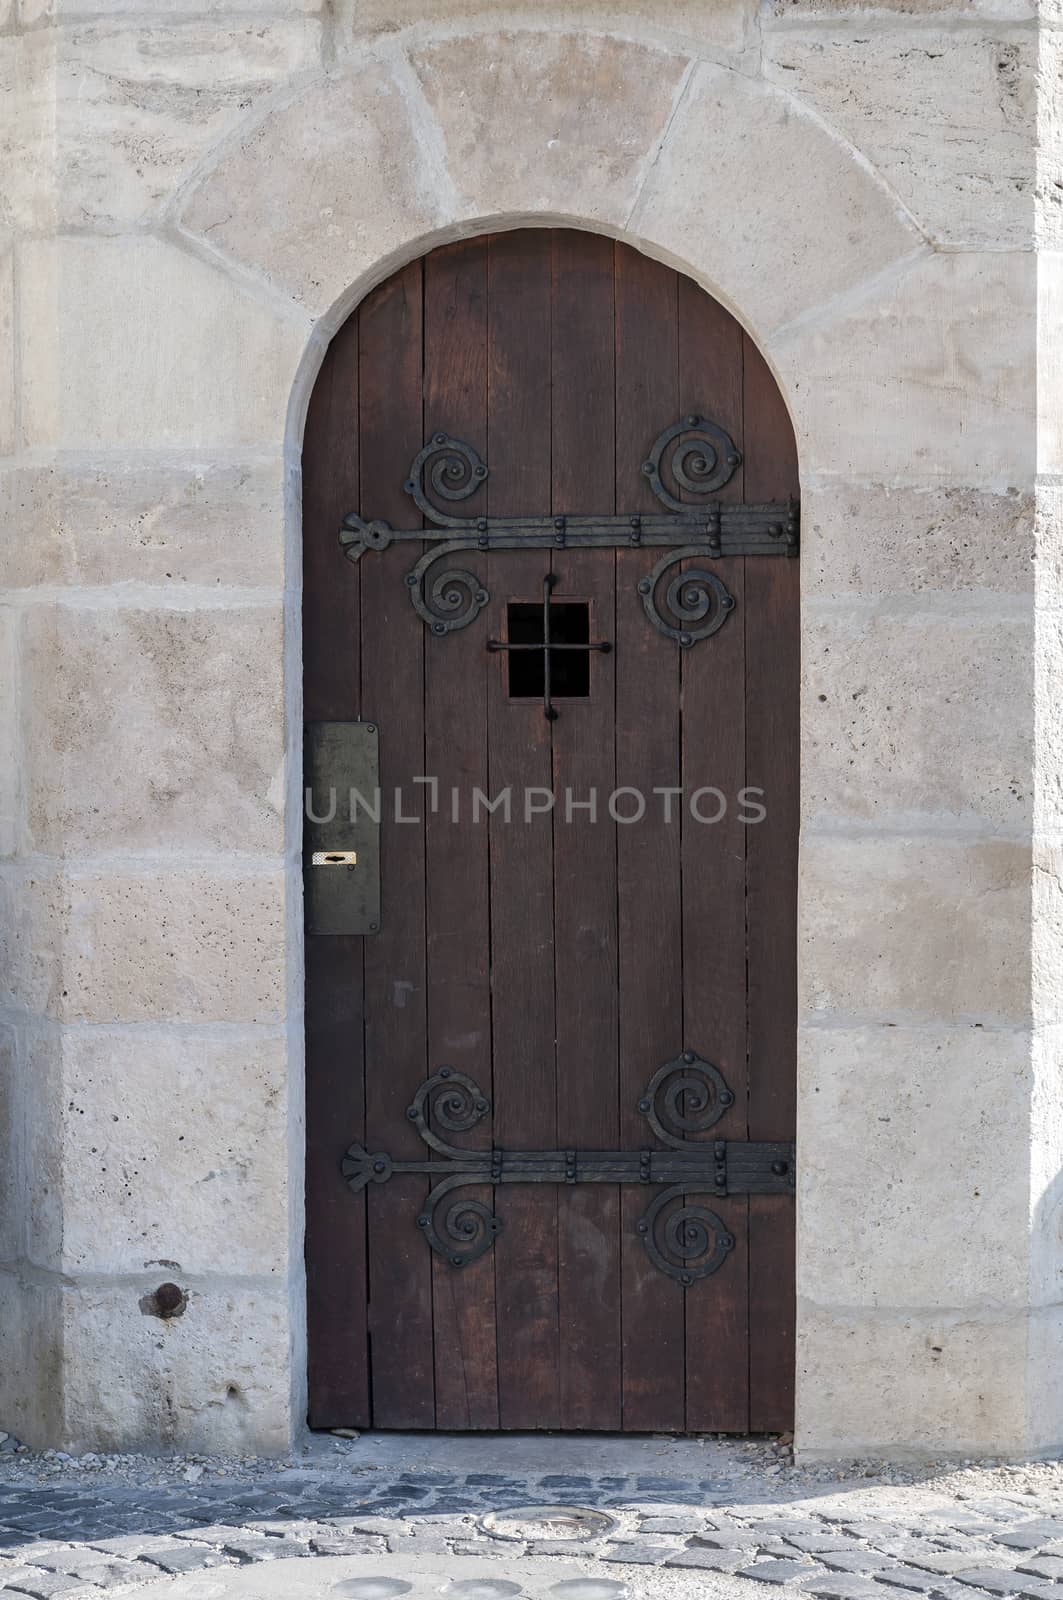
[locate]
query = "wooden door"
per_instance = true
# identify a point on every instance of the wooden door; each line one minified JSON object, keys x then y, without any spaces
{"x":580,"y":1017}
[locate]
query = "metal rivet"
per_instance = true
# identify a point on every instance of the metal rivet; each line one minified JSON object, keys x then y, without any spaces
{"x":422,"y":1222}
{"x":647,"y":467}
{"x":644,"y":586}
{"x":411,"y":580}
{"x":643,"y":1227}
{"x":644,"y":1105}
{"x":780,"y":1168}
{"x":692,"y":422}
{"x":440,"y":438}
{"x":444,"y":1072}
{"x":688,"y":1056}
{"x":413,"y":1113}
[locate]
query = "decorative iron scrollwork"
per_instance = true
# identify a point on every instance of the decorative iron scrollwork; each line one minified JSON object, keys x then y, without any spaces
{"x":683,"y":1237}
{"x":694,"y":454}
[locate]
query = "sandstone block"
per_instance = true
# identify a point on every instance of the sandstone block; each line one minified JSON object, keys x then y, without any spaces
{"x":215,"y":371}
{"x":900,"y":1125}
{"x":137,"y":106}
{"x":327,"y":187}
{"x":217,"y":1377}
{"x":175,"y":1150}
{"x":917,"y":717}
{"x":865,"y":540}
{"x":811,"y":221}
{"x":559,"y":124}
{"x":947,"y":118}
{"x":927,"y":375}
{"x":154,"y":730}
{"x":872,"y":1383}
{"x":206,"y":520}
{"x":915,"y":929}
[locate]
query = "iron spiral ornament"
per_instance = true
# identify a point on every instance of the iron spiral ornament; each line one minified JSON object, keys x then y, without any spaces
{"x":698,"y":455}
{"x":685,"y":1097}
{"x":687,"y":1243}
{"x":696,"y":602}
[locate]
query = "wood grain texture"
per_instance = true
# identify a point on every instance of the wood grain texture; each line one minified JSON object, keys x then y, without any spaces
{"x":584,"y":766}
{"x":522,"y":883}
{"x":458,"y":896}
{"x":559,"y":961}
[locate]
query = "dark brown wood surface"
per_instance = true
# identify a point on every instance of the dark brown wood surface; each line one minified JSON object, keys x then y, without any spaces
{"x":560,"y":961}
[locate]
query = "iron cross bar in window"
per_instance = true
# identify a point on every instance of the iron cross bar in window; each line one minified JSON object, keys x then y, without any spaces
{"x":547,"y":645}
{"x":693,"y":459}
{"x":682,"y":1236}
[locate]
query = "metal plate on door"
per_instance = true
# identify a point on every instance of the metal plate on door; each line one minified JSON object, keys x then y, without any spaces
{"x":341,"y":827}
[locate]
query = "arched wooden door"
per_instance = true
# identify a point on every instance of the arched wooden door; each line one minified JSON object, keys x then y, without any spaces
{"x":572,"y":1018}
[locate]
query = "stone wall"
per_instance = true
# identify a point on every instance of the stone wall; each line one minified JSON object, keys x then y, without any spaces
{"x":197,"y":193}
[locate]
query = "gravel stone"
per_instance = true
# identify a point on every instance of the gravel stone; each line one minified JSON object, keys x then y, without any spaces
{"x":708,"y":1560}
{"x":185,"y":1557}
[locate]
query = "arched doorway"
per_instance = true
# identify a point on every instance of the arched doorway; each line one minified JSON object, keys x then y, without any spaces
{"x":549,"y":500}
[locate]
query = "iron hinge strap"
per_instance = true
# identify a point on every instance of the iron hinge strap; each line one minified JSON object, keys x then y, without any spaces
{"x":684,"y":1097}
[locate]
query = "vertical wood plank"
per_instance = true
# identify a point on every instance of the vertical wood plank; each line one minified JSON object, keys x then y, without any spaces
{"x":338,"y":1378}
{"x":648,"y":856}
{"x":393,"y":635}
{"x":522,"y":955}
{"x":584,"y":763}
{"x":714,"y":870}
{"x":458,"y":910}
{"x":773,"y":656}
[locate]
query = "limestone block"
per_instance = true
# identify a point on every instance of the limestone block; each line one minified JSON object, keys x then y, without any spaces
{"x":882,"y":540}
{"x":561,"y":124}
{"x":1046,"y":1169}
{"x":31,"y":933}
{"x":8,"y":414}
{"x":27,"y":130}
{"x":1050,"y":361}
{"x":913,"y":929}
{"x":154,"y":730}
{"x":172,"y":945}
{"x":1044,"y":1391}
{"x":11,"y":1200}
{"x":327,"y":187}
{"x":947,"y":118}
{"x":42,"y":1110}
{"x":904,"y":1130}
{"x":174,"y":520}
{"x":175,"y":1150}
{"x":157,"y":348}
{"x":1048,"y":220}
{"x":1046,"y":912}
{"x":917,"y":715}
{"x":137,"y":106}
{"x":909,"y":1383}
{"x":770,"y":210}
{"x":31,"y":1359}
{"x":215,"y":1378}
{"x":1048,"y":526}
{"x":1048,"y":773}
{"x":722,"y":26}
{"x":11,"y":763}
{"x":998,"y":10}
{"x":929,"y":374}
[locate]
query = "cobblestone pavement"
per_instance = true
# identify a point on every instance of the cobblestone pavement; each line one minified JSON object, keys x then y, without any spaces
{"x":71,"y":1529}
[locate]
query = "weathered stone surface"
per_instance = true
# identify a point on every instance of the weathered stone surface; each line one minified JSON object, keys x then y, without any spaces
{"x":870,"y":1177}
{"x":915,"y":928}
{"x":917,"y":715}
{"x":997,"y":10}
{"x":175,"y":1150}
{"x":219,"y":1371}
{"x":561,"y":124}
{"x":31,"y":1369}
{"x":11,"y":1172}
{"x":864,"y":540}
{"x":27,"y":130}
{"x":1050,"y":361}
{"x":821,"y":220}
{"x":10,"y":735}
{"x":7,"y":351}
{"x":215,"y":371}
{"x":947,"y":118}
{"x":186,"y":757}
{"x":137,"y":106}
{"x":724,"y":27}
{"x":355,"y":192}
{"x":962,"y":1389}
{"x":155,"y":943}
{"x":948,"y":337}
{"x":167,"y":520}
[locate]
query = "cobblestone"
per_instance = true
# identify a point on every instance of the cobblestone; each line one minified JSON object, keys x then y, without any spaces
{"x":84,"y":1532}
